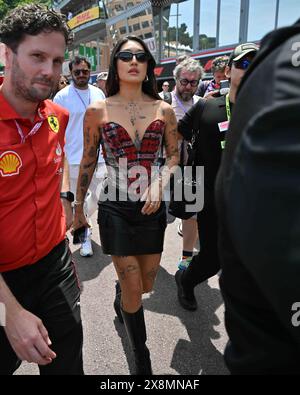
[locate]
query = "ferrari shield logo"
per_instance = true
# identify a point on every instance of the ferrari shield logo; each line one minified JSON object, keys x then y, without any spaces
{"x":53,"y":123}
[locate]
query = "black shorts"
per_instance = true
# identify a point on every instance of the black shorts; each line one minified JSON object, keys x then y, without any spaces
{"x":50,"y":290}
{"x":125,"y":231}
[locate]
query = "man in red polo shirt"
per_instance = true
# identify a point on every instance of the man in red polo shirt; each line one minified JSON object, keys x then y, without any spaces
{"x":38,"y":286}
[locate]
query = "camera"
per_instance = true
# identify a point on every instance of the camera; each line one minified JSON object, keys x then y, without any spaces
{"x":224,"y":87}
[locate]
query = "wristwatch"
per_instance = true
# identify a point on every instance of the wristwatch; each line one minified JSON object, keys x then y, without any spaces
{"x":67,"y":195}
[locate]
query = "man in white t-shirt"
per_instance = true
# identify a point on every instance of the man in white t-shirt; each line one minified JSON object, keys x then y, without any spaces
{"x":76,"y":98}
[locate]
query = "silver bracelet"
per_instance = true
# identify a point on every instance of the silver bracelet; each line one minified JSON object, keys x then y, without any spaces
{"x":77,"y":203}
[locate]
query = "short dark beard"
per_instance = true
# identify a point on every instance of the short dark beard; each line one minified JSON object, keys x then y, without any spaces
{"x":81,"y":85}
{"x":20,"y":90}
{"x":184,"y":98}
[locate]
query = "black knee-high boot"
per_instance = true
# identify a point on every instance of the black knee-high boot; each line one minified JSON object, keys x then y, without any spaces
{"x":136,"y":331}
{"x":117,"y":302}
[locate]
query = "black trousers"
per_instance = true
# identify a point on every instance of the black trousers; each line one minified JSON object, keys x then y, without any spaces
{"x":50,"y":290}
{"x":206,"y":263}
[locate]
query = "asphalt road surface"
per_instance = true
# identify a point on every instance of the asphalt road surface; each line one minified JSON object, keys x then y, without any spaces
{"x":180,"y":342}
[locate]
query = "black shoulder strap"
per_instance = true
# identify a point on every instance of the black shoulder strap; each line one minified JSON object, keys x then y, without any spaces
{"x":192,"y":146}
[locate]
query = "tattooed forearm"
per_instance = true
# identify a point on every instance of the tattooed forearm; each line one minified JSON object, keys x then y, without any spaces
{"x":84,"y":179}
{"x":87,"y":136}
{"x":92,"y":152}
{"x":89,"y":165}
{"x":91,"y":123}
{"x":82,"y":185}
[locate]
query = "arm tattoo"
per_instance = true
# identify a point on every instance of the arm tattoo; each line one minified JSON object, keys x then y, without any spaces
{"x":89,"y":165}
{"x":87,"y":136}
{"x":92,"y":152}
{"x":84,"y":180}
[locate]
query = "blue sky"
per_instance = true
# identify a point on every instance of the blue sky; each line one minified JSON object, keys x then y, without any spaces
{"x":261,"y":17}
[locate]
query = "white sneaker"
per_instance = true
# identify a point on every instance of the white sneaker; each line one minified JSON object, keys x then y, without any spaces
{"x":86,"y":248}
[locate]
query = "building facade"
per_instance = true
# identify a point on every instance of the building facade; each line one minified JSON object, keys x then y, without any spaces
{"x":199,"y":28}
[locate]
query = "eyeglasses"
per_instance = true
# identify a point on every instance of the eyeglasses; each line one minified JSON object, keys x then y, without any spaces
{"x":81,"y":71}
{"x":127,"y":56}
{"x":242,"y":64}
{"x":185,"y":82}
{"x":165,"y":84}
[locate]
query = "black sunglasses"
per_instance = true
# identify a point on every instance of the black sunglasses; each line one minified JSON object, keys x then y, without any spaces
{"x":79,"y":71}
{"x":185,"y":82}
{"x":127,"y":56}
{"x":242,"y":64}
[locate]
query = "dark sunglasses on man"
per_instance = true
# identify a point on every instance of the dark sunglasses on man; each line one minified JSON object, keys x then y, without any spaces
{"x":81,"y":71}
{"x":185,"y":82}
{"x":127,"y":56}
{"x":242,"y":64}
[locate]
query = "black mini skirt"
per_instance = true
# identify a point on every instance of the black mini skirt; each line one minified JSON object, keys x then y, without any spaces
{"x":125,"y":231}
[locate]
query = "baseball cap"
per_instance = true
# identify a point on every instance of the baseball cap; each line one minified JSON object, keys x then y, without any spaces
{"x":102,"y":76}
{"x":242,"y":50}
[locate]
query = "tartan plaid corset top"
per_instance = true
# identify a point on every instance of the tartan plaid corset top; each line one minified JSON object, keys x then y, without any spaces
{"x":128,"y":160}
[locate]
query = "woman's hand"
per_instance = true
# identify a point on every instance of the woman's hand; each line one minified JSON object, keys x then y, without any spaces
{"x":79,"y":219}
{"x":152,"y":198}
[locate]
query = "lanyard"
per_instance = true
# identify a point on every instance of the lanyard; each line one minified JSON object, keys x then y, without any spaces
{"x":181,"y":105}
{"x":228,"y":111}
{"x":89,"y":98}
{"x":31,"y":133}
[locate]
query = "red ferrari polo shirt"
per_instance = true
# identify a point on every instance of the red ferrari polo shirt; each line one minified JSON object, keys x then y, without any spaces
{"x":32,"y":220}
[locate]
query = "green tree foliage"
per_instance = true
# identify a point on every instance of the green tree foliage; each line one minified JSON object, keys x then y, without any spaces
{"x":185,"y":39}
{"x":7,"y":5}
{"x":183,"y":36}
{"x":206,"y":42}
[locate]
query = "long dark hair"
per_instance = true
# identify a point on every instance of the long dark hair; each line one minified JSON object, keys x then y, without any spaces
{"x":112,"y":84}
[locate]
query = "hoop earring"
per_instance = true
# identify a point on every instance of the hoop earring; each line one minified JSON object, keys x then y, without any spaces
{"x":146,"y":78}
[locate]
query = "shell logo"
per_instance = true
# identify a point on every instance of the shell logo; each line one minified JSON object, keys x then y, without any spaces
{"x":10,"y":164}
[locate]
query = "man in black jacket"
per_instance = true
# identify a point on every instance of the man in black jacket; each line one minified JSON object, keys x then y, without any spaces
{"x":210,"y":122}
{"x":258,"y":199}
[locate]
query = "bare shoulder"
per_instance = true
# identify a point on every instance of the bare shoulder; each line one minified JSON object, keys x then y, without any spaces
{"x":166,"y":111}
